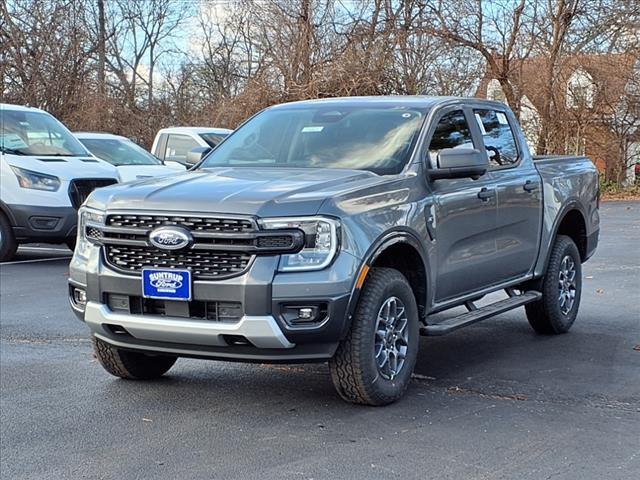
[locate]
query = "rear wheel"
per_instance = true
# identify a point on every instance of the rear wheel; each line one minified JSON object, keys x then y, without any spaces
{"x":131,"y":365}
{"x":561,"y":289}
{"x":8,"y":243}
{"x":374,"y":363}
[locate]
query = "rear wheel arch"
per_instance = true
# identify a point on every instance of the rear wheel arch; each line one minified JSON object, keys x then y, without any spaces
{"x":570,"y":223}
{"x":574,"y":226}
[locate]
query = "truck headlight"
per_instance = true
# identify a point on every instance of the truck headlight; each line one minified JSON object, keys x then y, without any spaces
{"x":87,"y":218}
{"x":36,"y":180}
{"x":320,"y":242}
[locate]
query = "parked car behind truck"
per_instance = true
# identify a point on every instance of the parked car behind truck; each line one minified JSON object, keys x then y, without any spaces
{"x":172,"y":145}
{"x":131,"y":160}
{"x":45,"y":175}
{"x":333,"y":230}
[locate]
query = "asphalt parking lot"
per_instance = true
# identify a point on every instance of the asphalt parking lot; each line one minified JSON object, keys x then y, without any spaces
{"x":494,"y":401}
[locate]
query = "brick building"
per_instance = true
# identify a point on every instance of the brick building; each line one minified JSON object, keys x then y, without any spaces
{"x":596,"y":108}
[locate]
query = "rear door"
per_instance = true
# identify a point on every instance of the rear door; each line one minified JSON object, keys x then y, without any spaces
{"x":518,"y":186}
{"x":465,"y":213}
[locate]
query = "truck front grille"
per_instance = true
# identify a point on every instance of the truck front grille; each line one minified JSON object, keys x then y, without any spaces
{"x":195,"y":224}
{"x":80,"y":189}
{"x":204,"y":264}
{"x":220,"y":246}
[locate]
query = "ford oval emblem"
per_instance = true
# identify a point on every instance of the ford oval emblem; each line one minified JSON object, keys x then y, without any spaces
{"x":170,"y":238}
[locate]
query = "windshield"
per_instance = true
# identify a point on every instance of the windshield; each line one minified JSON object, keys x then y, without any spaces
{"x":213,"y":139}
{"x":36,"y":133}
{"x":119,"y":152}
{"x":377,"y":139}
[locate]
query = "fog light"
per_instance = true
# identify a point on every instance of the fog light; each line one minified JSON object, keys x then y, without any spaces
{"x":304,"y":315}
{"x":79,"y":297}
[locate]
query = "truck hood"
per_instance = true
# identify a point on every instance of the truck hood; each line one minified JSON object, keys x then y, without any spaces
{"x":264,"y":192}
{"x":65,"y":168}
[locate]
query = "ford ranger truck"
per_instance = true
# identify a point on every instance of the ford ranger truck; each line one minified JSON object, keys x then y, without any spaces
{"x":333,"y":230}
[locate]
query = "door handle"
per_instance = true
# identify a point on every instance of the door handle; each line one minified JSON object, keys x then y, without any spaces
{"x":530,"y":186}
{"x":485,"y":194}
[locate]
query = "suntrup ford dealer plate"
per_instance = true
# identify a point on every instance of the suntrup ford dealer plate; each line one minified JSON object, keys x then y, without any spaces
{"x":166,"y":284}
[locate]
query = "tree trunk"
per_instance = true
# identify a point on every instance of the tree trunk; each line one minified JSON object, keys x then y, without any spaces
{"x":101,"y":47}
{"x":152,"y":63}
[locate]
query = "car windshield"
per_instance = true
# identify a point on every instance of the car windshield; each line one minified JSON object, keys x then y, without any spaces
{"x":36,"y":133}
{"x":213,"y":139}
{"x":119,"y":152}
{"x":377,"y":139}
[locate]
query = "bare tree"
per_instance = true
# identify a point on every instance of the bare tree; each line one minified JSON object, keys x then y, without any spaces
{"x":502,"y":34}
{"x":142,"y":33}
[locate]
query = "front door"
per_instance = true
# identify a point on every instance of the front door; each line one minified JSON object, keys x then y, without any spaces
{"x":465,"y":213}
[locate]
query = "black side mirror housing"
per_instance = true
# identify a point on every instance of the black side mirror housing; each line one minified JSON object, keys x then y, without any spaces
{"x":460,"y":163}
{"x":196,"y":154}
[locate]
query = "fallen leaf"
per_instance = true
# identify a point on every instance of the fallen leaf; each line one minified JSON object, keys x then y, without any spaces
{"x":599,"y":291}
{"x":637,"y":348}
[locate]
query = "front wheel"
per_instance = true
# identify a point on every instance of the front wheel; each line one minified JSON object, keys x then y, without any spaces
{"x":131,"y":365}
{"x":561,"y":289}
{"x":374,"y":363}
{"x":8,"y":244}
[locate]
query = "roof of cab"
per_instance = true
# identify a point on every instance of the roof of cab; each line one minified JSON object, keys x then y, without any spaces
{"x":103,"y":135}
{"x":19,"y":108}
{"x":196,"y":130}
{"x":410,"y":101}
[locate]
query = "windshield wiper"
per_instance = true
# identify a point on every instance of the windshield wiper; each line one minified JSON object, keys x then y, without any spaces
{"x":12,"y":151}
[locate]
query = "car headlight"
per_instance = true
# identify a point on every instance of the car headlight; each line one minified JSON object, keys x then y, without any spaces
{"x":36,"y":180}
{"x":90,"y":217}
{"x":320,"y":242}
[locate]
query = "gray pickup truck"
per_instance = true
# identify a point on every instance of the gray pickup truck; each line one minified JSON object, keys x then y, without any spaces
{"x":333,"y":230}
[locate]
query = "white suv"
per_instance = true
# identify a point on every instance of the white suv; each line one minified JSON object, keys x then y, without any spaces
{"x":45,"y":175}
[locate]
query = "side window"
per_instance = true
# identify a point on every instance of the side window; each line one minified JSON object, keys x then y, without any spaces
{"x":498,"y":137}
{"x":452,"y":131}
{"x":178,"y":146}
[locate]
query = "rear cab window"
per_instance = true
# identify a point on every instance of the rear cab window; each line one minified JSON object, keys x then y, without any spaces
{"x":498,"y":138}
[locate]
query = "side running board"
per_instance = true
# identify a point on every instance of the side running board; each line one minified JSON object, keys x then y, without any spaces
{"x":475,"y":314}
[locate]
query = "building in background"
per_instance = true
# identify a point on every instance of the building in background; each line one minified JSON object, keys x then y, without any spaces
{"x":596,"y":107}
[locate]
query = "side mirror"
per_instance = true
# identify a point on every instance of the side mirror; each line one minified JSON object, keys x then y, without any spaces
{"x":460,"y":163}
{"x":195,"y":155}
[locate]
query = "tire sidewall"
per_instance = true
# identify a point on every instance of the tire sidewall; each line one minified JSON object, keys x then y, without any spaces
{"x":561,"y":322}
{"x":367,"y":314}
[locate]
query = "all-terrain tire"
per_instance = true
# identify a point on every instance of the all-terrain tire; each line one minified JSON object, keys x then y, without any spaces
{"x":549,"y":315}
{"x":131,"y":365}
{"x":354,"y":368}
{"x":8,"y":243}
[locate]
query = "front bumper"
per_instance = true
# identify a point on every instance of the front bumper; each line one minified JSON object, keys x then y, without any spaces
{"x":262,"y":294}
{"x":44,"y":224}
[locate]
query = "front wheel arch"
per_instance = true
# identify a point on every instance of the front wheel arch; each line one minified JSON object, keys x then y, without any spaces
{"x":376,"y":257}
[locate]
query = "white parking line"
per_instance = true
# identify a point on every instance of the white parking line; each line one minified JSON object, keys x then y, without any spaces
{"x":36,"y":260}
